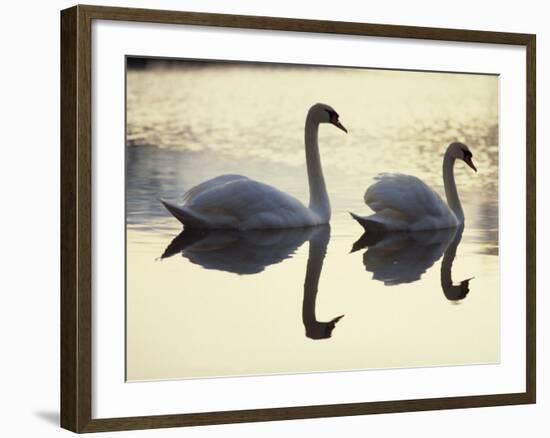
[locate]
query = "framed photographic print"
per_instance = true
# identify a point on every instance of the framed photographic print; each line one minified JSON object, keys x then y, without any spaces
{"x":268,"y":218}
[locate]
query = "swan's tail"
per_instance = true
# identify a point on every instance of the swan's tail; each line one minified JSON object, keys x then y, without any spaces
{"x":186,"y":238}
{"x":184,"y":215}
{"x":369,"y":225}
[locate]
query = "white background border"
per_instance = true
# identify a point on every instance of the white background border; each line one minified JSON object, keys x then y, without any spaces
{"x":113,"y":397}
{"x":30,"y":281}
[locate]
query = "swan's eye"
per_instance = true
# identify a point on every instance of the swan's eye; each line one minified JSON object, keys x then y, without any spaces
{"x":467,"y":154}
{"x":333,"y":115}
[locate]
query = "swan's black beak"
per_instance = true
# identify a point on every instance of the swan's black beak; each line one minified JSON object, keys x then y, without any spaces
{"x":469,"y":162}
{"x":339,"y":125}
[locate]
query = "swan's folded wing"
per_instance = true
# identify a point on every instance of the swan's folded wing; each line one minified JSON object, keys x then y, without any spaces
{"x":209,"y":185}
{"x":252,"y":204}
{"x":405,"y":196}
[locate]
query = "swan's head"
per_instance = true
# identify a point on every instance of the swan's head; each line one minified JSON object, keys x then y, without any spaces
{"x":460,"y":151}
{"x":458,"y":292}
{"x":323,"y":113}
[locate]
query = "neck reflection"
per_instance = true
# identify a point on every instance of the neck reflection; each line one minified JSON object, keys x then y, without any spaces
{"x":452,"y":292}
{"x":318,"y":243}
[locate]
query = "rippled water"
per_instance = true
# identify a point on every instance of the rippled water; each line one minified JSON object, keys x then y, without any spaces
{"x":272,"y":302}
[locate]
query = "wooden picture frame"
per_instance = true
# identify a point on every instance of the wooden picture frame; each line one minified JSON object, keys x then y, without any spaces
{"x":76,"y":218}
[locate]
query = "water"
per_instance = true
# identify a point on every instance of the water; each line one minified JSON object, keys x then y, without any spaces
{"x":319,"y":299}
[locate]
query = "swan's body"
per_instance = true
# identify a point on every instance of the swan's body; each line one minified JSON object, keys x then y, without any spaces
{"x":404,"y":202}
{"x":238,"y":202}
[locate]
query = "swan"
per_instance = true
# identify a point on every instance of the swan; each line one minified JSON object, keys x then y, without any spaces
{"x":404,"y":202}
{"x":238,"y":202}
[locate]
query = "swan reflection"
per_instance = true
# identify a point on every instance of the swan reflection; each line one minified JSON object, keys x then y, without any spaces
{"x":238,"y":252}
{"x":250,"y":252}
{"x":403,"y":257}
{"x":452,"y":292}
{"x":318,"y":243}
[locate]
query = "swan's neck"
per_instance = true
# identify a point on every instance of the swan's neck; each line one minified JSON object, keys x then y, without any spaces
{"x":318,"y":197}
{"x":450,"y":187}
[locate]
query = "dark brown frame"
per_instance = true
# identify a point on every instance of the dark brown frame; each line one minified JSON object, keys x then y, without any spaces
{"x":76,"y":237}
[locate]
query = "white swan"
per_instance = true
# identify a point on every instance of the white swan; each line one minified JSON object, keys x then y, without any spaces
{"x":404,"y":202}
{"x":237,"y":202}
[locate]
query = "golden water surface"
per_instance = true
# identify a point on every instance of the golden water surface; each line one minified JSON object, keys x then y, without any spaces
{"x":319,"y":299}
